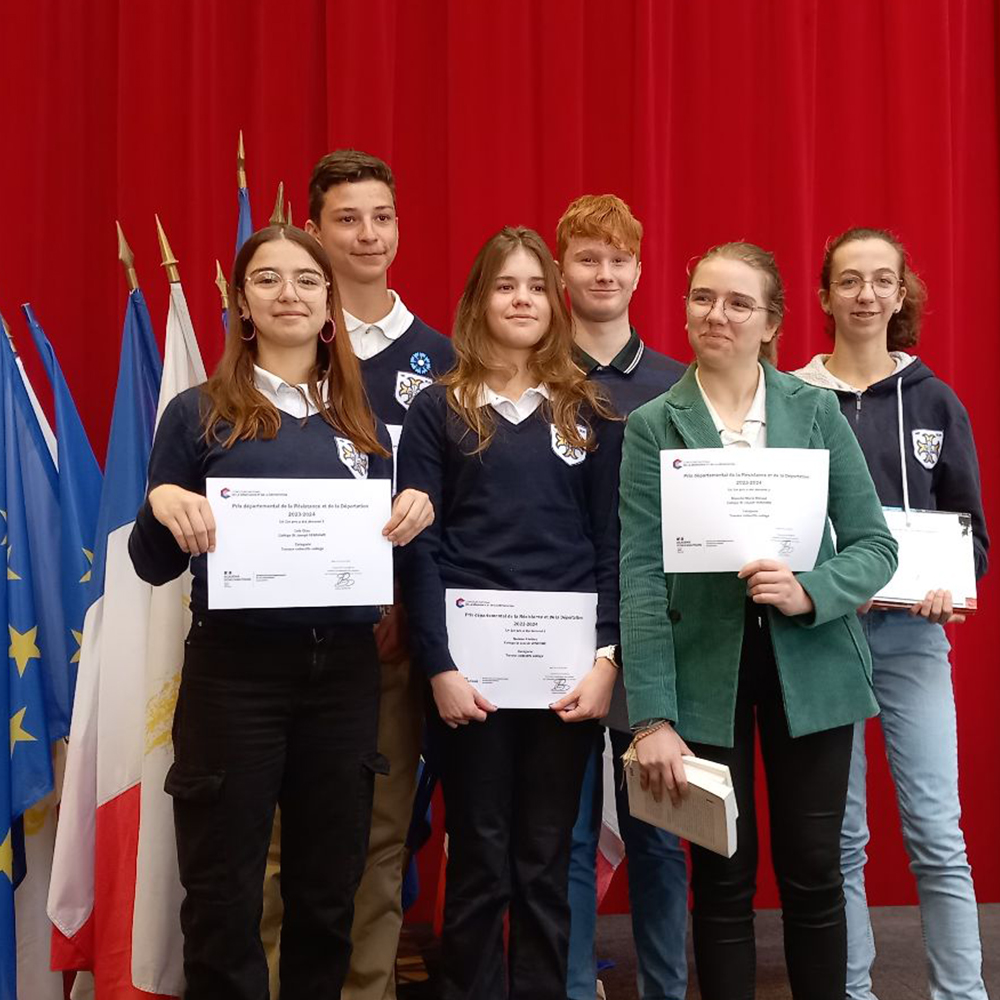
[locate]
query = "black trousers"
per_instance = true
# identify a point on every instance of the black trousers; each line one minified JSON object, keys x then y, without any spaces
{"x":807,"y":792}
{"x":269,"y":716}
{"x":512,"y":791}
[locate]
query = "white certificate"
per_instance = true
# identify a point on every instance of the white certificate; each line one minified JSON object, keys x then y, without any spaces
{"x":935,"y":553}
{"x":299,"y":543}
{"x":724,"y":507}
{"x":521,"y":648}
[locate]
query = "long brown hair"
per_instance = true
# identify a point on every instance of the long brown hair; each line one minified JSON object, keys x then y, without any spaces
{"x":232,"y":395}
{"x":551,"y":362}
{"x":904,"y":327}
{"x":774,"y":289}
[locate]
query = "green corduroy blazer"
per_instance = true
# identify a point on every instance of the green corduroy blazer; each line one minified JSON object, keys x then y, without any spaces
{"x":682,"y":633}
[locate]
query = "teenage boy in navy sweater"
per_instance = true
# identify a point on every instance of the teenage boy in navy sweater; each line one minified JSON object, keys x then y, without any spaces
{"x":598,"y":242}
{"x":352,"y":212}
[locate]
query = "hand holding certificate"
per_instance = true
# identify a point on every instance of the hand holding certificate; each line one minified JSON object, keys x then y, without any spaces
{"x":521,"y":649}
{"x":289,"y":543}
{"x":725,"y":507}
{"x":935,"y":553}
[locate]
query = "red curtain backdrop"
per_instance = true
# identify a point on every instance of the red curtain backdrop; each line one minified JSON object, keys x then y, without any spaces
{"x":781,"y":122}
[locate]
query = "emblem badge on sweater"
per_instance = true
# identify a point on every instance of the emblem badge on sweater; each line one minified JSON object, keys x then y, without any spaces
{"x":927,"y":446}
{"x":408,"y":385}
{"x":568,"y":452}
{"x":420,"y":363}
{"x":356,"y":461}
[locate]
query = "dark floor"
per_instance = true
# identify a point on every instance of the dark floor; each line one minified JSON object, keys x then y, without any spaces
{"x":899,"y":972}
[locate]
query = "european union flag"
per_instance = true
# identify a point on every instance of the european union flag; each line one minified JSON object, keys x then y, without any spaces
{"x":80,"y":480}
{"x":34,"y":694}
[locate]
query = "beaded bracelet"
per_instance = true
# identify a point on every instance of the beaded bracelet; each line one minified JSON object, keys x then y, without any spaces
{"x":643,"y":733}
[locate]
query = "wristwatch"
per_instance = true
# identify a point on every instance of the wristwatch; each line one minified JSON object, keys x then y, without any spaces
{"x":612,"y":653}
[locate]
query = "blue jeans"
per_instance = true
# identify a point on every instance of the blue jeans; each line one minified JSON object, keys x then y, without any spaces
{"x":657,"y":883}
{"x":912,"y":680}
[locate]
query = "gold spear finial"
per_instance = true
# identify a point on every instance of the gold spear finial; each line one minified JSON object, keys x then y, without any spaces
{"x":288,"y":213}
{"x":220,"y":281}
{"x":241,"y":165}
{"x":127,"y":258}
{"x":169,"y":260}
{"x":277,"y":216}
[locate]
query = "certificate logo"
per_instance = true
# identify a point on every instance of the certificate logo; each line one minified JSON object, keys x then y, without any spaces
{"x":460,"y":603}
{"x":677,"y":463}
{"x":224,"y":492}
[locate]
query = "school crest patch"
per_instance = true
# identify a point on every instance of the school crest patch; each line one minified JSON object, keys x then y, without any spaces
{"x":356,"y":461}
{"x":927,"y":446}
{"x":420,"y":363}
{"x":568,"y":452}
{"x":408,"y":385}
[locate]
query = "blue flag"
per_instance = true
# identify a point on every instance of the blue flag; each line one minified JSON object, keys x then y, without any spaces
{"x":244,"y":224}
{"x":35,"y":694}
{"x":132,"y":422}
{"x":80,"y":482}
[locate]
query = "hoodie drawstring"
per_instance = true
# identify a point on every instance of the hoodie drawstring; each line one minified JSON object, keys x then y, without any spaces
{"x":902,"y":448}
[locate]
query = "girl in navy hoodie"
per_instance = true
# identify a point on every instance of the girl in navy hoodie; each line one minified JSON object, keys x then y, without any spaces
{"x":520,"y":457}
{"x":898,"y":407}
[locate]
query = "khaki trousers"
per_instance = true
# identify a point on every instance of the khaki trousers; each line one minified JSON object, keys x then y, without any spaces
{"x":378,"y":912}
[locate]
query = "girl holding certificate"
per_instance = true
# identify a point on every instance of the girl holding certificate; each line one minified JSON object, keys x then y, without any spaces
{"x":897,"y":407}
{"x":520,"y":458}
{"x":710,"y":656}
{"x":276,"y":705}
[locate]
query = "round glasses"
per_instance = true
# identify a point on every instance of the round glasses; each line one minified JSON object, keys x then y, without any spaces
{"x":270,"y":284}
{"x":884,"y":285}
{"x":736,"y":308}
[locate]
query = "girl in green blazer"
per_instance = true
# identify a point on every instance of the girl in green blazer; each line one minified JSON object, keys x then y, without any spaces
{"x":710,"y":657}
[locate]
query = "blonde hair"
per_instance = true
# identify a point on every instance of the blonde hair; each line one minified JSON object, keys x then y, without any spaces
{"x":551,"y":363}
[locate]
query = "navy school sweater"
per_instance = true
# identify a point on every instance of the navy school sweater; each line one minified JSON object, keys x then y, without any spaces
{"x":634,"y":376}
{"x":525,"y":514}
{"x":308,"y":448}
{"x":394,"y":376}
{"x":942,"y":470}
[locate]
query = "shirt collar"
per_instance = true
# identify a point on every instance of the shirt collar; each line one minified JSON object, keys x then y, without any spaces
{"x":392,"y":325}
{"x":757,"y":414}
{"x":277,"y":391}
{"x":624,"y":361}
{"x":490,"y":398}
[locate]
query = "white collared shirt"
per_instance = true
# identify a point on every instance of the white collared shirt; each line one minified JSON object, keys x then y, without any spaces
{"x":513,"y":411}
{"x":369,"y":339}
{"x":293,"y":400}
{"x":753,"y":434}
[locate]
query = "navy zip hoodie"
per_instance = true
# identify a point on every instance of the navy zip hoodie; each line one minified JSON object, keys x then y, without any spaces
{"x":914,"y":410}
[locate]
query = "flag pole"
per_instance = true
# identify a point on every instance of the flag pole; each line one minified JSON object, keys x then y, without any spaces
{"x":220,"y":281}
{"x":169,"y":260}
{"x":288,"y":214}
{"x":127,"y":258}
{"x":241,"y":165}
{"x":277,"y":216}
